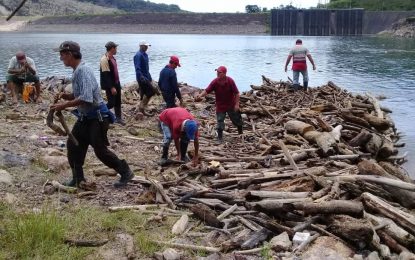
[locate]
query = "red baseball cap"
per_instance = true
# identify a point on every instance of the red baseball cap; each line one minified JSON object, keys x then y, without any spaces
{"x":175,"y":59}
{"x":221,"y":69}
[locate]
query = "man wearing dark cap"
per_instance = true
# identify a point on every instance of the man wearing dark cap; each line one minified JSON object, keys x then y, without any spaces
{"x":299,"y":54}
{"x":93,"y":118}
{"x":178,"y":124}
{"x":143,"y":77}
{"x":22,"y":69}
{"x":110,"y":80}
{"x":227,"y":101}
{"x":168,"y":83}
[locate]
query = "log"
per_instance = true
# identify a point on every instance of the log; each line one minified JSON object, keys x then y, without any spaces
{"x":358,"y":231}
{"x":186,"y":246}
{"x":277,"y":194}
{"x":375,"y":204}
{"x":361,"y":139}
{"x":346,"y":115}
{"x":288,"y":155}
{"x":378,"y":180}
{"x":160,"y":189}
{"x":324,"y":140}
{"x":256,"y":238}
{"x":396,"y":171}
{"x":63,"y":188}
{"x":271,"y":224}
{"x":370,"y":167}
{"x":323,"y":107}
{"x":380,"y":147}
{"x":180,"y":226}
{"x":376,"y":105}
{"x":135,"y":207}
{"x":330,"y":207}
{"x":86,"y":243}
{"x":297,"y":127}
{"x":390,"y":242}
{"x":227,"y":212}
{"x":379,"y":124}
{"x":207,"y":215}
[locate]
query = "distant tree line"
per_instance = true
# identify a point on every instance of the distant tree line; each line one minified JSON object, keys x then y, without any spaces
{"x":135,"y":5}
{"x":250,"y":9}
{"x":374,"y":5}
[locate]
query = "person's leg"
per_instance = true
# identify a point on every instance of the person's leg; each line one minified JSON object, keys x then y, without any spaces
{"x":98,"y":139}
{"x":110,"y":99}
{"x":236,"y":119}
{"x":220,"y":117}
{"x":38,"y":91}
{"x":12,"y":82}
{"x":117,"y":106}
{"x":296,"y":82}
{"x":169,"y":99}
{"x":166,"y":143}
{"x":76,"y":154}
{"x":305,"y":79}
{"x":148,"y":92}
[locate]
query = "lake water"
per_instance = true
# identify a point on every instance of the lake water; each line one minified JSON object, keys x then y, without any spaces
{"x":359,"y":64}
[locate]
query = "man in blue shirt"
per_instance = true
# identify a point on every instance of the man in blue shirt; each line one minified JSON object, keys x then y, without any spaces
{"x":143,"y":77}
{"x":93,"y":118}
{"x":168,"y":83}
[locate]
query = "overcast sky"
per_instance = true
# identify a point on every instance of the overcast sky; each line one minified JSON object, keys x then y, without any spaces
{"x":233,"y":6}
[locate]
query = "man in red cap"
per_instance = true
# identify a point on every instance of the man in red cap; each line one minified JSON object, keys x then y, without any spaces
{"x":22,"y":69}
{"x":168,"y":83}
{"x":227,"y":101}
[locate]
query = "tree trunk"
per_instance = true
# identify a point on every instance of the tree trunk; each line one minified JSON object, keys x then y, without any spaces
{"x":297,"y":127}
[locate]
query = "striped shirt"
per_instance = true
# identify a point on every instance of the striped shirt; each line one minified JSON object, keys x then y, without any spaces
{"x":86,"y":88}
{"x":299,"y":53}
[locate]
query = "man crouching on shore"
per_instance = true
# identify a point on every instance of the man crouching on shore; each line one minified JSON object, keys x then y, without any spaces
{"x":179,"y":124}
{"x":93,"y":118}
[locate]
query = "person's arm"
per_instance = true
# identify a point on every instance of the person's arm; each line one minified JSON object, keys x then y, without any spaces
{"x":236,"y":108}
{"x":30,"y":67}
{"x":196,"y":155}
{"x":137,"y":64}
{"x":311,"y":60}
{"x":71,"y":103}
{"x":201,"y":95}
{"x":175,"y":87}
{"x":288,"y":62}
{"x":106,"y":78}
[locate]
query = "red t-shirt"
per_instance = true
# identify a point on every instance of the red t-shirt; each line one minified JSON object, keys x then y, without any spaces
{"x":225,"y":92}
{"x":173,"y":118}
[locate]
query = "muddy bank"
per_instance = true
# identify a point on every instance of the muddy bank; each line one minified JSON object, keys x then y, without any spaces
{"x":180,"y":23}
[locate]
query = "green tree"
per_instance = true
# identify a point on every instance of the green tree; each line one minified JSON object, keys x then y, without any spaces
{"x":252,"y":9}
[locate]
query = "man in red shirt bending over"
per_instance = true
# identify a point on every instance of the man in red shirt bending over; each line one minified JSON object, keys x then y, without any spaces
{"x":178,"y":124}
{"x":227,"y":101}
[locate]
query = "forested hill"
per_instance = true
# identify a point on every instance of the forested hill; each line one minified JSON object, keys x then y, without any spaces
{"x":72,"y":7}
{"x":374,"y":5}
{"x":135,"y":5}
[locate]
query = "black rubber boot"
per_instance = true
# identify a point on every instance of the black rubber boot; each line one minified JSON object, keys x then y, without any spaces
{"x":118,"y":116}
{"x":296,"y":87}
{"x":164,"y":156}
{"x":183,"y":150}
{"x":240,"y":130}
{"x":305,"y":85}
{"x":126,"y":175}
{"x":77,"y":177}
{"x":220,"y":136}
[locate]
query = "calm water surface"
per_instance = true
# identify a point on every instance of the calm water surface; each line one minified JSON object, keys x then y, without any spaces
{"x":359,"y":64}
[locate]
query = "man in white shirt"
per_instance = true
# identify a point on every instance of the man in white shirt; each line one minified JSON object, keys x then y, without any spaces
{"x":22,"y":69}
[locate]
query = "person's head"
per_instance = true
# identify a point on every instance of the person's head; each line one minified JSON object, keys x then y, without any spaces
{"x":190,"y":128}
{"x":70,"y":53}
{"x":21,"y":57}
{"x":111,"y":47}
{"x":174,"y":62}
{"x":298,"y":42}
{"x":144,"y":46}
{"x":221,"y":72}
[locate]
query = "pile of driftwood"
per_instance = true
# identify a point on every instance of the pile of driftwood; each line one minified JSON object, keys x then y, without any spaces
{"x":321,"y":163}
{"x":311,"y":165}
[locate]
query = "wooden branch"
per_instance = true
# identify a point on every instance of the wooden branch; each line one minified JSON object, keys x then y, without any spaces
{"x":86,"y":243}
{"x":186,"y":246}
{"x":378,"y":180}
{"x":160,"y":189}
{"x":227,"y":212}
{"x":17,"y":9}
{"x":63,"y":188}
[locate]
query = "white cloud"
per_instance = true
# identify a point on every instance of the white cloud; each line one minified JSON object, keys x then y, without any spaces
{"x":220,"y":6}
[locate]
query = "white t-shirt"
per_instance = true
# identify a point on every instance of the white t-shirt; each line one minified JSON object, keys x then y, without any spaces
{"x":14,"y":64}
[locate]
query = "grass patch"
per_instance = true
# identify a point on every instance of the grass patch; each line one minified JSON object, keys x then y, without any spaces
{"x":41,"y":235}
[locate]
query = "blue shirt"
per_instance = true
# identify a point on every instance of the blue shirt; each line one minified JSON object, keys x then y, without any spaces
{"x":168,"y":82}
{"x":86,"y":88}
{"x":141,"y":66}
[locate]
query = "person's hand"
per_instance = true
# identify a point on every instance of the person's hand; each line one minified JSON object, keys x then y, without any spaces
{"x":198,"y":98}
{"x":178,"y":157}
{"x":314,"y":67}
{"x":113,"y":91}
{"x":285,"y":68}
{"x":58,"y":106}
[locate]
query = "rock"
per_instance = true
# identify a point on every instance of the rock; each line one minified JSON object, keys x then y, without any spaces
{"x":132,"y":131}
{"x":12,"y":116}
{"x":9,"y":159}
{"x":55,"y":163}
{"x":214,"y":256}
{"x":406,"y":256}
{"x":64,"y":199}
{"x":373,"y":256}
{"x":327,"y":248}
{"x":139,"y":116}
{"x":357,"y":257}
{"x":171,"y":254}
{"x":300,"y":237}
{"x":281,"y":242}
{"x":158,"y":256}
{"x":33,"y":137}
{"x":180,"y":226}
{"x":5,"y":177}
{"x":104,"y":171}
{"x":10,"y":198}
{"x":121,"y":248}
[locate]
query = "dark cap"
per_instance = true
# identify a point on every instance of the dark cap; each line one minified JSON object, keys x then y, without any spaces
{"x":110,"y":45}
{"x":298,"y":41}
{"x":68,"y":46}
